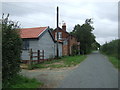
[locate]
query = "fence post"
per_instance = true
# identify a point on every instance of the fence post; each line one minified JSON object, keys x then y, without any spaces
{"x":38,"y":55}
{"x":43,"y":54}
{"x":31,"y":58}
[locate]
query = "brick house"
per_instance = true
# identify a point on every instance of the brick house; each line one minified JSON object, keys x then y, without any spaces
{"x":67,"y":39}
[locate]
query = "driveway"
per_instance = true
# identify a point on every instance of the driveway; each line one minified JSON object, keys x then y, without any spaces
{"x":50,"y":77}
{"x":94,"y":72}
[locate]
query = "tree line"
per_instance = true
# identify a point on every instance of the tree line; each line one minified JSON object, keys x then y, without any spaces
{"x":112,"y":48}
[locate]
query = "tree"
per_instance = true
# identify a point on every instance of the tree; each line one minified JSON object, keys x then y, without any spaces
{"x":95,"y":45}
{"x":11,"y":50}
{"x":51,"y":29}
{"x":84,"y":36}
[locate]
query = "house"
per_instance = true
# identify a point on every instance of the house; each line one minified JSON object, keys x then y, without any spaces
{"x":67,"y":39}
{"x":39,"y":38}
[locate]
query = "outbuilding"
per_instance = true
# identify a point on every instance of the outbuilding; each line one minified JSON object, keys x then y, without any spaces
{"x":39,"y":38}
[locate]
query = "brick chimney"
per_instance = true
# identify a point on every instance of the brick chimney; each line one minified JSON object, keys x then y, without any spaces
{"x":64,"y":26}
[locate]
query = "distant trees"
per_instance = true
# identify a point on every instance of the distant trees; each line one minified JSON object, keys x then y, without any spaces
{"x":112,"y":48}
{"x":96,"y":46}
{"x":85,"y":36}
{"x":11,"y":51}
{"x":51,"y":29}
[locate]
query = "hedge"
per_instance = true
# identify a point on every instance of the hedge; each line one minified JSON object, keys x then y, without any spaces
{"x":11,"y":50}
{"x":112,"y":48}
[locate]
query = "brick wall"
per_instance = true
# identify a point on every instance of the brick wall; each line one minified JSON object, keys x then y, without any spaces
{"x":70,"y":42}
{"x":65,"y":50}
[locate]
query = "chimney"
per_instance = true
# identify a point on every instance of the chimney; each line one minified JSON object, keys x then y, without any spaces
{"x":64,"y":27}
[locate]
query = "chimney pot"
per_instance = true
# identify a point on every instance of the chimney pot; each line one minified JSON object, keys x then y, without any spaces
{"x":64,"y":26}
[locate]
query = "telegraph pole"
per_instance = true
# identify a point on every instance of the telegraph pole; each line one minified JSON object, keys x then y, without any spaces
{"x":57,"y":31}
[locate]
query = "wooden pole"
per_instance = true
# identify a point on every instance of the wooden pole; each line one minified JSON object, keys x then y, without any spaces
{"x":38,"y":55}
{"x":57,"y":32}
{"x":43,"y":54}
{"x":31,"y":58}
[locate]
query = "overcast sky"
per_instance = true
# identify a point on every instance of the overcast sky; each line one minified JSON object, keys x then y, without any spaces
{"x":72,"y":12}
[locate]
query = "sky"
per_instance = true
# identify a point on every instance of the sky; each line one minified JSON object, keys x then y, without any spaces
{"x":104,"y":14}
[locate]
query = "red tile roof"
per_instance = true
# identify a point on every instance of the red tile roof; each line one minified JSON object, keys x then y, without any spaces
{"x":32,"y":32}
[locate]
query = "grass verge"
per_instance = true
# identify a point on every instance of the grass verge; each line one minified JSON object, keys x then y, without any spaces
{"x":114,"y":61}
{"x":66,"y":61}
{"x":20,"y":81}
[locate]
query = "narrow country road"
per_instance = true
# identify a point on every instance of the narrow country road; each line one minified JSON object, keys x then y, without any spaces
{"x":94,"y":72}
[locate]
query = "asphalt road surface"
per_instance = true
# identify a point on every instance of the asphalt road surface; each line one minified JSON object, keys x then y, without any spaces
{"x":94,"y":72}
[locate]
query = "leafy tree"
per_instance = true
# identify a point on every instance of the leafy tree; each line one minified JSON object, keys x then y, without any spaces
{"x":84,"y":36}
{"x":51,"y":29}
{"x":11,"y":50}
{"x":95,"y":45}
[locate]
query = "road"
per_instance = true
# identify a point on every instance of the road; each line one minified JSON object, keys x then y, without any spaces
{"x":94,"y":72}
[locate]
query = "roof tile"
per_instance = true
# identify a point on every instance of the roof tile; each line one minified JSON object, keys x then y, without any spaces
{"x":32,"y":32}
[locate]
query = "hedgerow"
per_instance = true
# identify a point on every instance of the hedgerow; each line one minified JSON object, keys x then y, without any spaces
{"x":112,"y":48}
{"x":11,"y":50}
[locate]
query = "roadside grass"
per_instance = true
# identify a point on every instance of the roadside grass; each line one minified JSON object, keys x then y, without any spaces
{"x":20,"y":81}
{"x":114,"y":61}
{"x":66,"y":61}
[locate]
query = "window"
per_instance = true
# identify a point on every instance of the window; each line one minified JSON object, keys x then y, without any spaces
{"x":25,"y":45}
{"x":55,"y":35}
{"x":59,"y":35}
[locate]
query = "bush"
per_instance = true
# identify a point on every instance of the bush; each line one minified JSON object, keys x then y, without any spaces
{"x":74,"y":50}
{"x":11,"y":50}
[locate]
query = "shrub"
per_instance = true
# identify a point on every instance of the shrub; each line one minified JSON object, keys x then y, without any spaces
{"x":11,"y":50}
{"x":74,"y":50}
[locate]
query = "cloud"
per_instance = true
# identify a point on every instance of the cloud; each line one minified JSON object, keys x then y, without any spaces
{"x":34,"y":14}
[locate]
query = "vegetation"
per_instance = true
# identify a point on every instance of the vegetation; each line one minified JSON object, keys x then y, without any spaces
{"x":11,"y":47}
{"x":114,"y":61}
{"x":20,"y":81}
{"x":112,"y":49}
{"x":66,"y":61}
{"x":75,"y":50}
{"x":85,"y":36}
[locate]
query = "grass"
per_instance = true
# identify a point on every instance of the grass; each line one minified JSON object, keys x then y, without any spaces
{"x":114,"y":61}
{"x":66,"y":61}
{"x":20,"y":81}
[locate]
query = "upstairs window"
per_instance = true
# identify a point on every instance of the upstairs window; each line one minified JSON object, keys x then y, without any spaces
{"x":25,"y":45}
{"x":59,"y":35}
{"x":55,"y":35}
